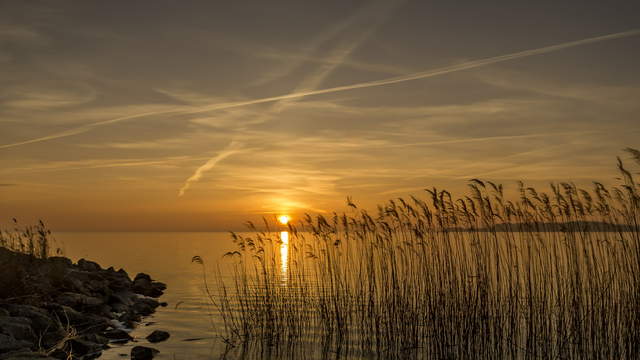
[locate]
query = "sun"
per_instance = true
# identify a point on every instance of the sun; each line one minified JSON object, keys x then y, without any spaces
{"x":283,"y":219}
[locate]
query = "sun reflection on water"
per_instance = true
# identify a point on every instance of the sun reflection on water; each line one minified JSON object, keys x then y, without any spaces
{"x":284,"y":254}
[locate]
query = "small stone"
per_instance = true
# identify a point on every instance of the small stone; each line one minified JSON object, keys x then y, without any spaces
{"x":158,"y":336}
{"x":143,"y":353}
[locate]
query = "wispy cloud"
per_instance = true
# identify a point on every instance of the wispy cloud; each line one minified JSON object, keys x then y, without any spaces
{"x":232,"y":148}
{"x":300,"y":94}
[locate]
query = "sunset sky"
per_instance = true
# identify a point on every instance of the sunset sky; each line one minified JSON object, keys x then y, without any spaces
{"x":174,"y":115}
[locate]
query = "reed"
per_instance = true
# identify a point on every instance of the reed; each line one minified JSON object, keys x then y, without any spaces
{"x":549,"y":275}
{"x":35,"y":240}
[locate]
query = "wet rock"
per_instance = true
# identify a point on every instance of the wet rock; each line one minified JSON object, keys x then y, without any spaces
{"x":41,"y":322}
{"x":78,"y":301}
{"x":142,"y":284}
{"x":143,"y":353}
{"x":97,"y":339}
{"x":82,"y":347}
{"x":82,"y":296}
{"x":145,"y":306}
{"x":117,"y":336}
{"x":158,"y":336}
{"x":18,"y":327}
{"x":8,"y":343}
{"x":26,"y":355}
{"x":80,"y":321}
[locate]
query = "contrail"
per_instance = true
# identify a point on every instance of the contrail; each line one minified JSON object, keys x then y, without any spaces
{"x":229,"y":150}
{"x":426,"y":74}
{"x":399,"y":79}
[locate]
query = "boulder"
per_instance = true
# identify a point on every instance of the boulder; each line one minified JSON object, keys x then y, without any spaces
{"x":158,"y":336}
{"x":8,"y":343}
{"x":143,"y":353}
{"x":26,"y":355}
{"x":142,"y":284}
{"x":18,"y":327}
{"x":81,"y":347}
{"x":145,"y":306}
{"x":78,"y":301}
{"x":41,"y":322}
{"x":87,"y":265}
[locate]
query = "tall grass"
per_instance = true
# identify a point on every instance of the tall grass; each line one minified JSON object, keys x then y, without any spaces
{"x":33,"y":240}
{"x":549,"y":275}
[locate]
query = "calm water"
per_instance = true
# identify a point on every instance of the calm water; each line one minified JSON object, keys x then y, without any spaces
{"x":167,"y":258}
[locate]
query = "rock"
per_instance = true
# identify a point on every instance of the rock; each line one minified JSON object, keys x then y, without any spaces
{"x":18,"y":327}
{"x":59,"y":354}
{"x":117,"y":336}
{"x":143,"y":353}
{"x":60,"y":260}
{"x":97,"y":339}
{"x":82,"y":347}
{"x":81,"y":321}
{"x":87,"y":265}
{"x":26,"y":355}
{"x":142,"y":284}
{"x":145,"y":306}
{"x":41,"y":322}
{"x":8,"y":343}
{"x":158,"y":336}
{"x":142,"y":276}
{"x":82,"y":296}
{"x":159,"y":285}
{"x":78,"y":301}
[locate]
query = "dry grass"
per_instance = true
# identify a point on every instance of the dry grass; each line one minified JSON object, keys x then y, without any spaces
{"x":551,"y":275}
{"x":35,"y":240}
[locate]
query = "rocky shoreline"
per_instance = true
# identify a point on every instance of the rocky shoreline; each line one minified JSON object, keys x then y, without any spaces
{"x":55,"y":309}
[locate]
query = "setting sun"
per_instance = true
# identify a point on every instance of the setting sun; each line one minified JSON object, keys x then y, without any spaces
{"x":283,"y":219}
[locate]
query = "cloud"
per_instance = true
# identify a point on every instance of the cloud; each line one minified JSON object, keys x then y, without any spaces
{"x":100,"y":163}
{"x":296,"y":95}
{"x":232,"y":148}
{"x":39,"y":98}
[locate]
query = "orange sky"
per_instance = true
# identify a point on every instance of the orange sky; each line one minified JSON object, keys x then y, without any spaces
{"x":172,"y":116}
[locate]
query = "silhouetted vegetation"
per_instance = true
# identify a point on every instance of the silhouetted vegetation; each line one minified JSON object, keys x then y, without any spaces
{"x":32,"y":240}
{"x":549,"y":275}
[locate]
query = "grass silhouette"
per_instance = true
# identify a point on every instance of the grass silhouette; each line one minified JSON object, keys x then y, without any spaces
{"x":549,"y":275}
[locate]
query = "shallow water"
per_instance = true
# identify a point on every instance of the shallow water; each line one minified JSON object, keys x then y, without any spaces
{"x":167,"y":258}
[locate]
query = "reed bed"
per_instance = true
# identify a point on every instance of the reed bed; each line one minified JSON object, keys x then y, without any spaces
{"x":549,"y":275}
{"x":35,"y":240}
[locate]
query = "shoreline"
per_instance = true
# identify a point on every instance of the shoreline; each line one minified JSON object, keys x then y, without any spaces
{"x":53,"y":308}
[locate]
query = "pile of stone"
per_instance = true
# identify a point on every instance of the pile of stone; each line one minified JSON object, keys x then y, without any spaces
{"x":52,"y":308}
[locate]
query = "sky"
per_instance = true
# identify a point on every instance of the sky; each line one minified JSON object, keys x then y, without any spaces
{"x":197,"y":116}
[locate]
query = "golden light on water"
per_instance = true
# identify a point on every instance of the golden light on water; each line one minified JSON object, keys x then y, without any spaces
{"x":283,"y":219}
{"x":284,"y":254}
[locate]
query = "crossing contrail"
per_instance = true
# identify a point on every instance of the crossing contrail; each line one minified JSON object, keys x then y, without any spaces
{"x":394,"y":80}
